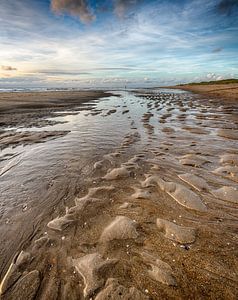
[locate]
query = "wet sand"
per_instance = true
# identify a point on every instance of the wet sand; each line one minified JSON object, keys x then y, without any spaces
{"x":33,"y":109}
{"x":224,"y":91}
{"x":137,"y":201}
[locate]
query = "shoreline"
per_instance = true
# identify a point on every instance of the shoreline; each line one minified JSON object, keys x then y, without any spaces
{"x":50,"y":99}
{"x":25,"y":108}
{"x":34,"y":109}
{"x":222,"y":91}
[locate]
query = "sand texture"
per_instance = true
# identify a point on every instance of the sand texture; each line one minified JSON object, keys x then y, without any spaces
{"x":130,"y":195}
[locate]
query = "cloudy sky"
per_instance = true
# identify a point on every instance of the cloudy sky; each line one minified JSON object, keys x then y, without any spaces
{"x":80,"y":43}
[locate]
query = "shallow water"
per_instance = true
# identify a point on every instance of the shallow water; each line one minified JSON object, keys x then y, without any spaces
{"x":176,"y":132}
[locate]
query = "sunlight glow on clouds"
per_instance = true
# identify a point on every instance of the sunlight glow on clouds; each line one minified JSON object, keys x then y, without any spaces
{"x":113,"y":42}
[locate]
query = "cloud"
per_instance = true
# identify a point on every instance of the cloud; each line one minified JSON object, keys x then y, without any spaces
{"x":8,"y":68}
{"x":121,"y":6}
{"x":62,"y":72}
{"x":82,"y":8}
{"x":217,"y":50}
{"x":226,"y":7}
{"x":76,"y":8}
{"x":213,"y":76}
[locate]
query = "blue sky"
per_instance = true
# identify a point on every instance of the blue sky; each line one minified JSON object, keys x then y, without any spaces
{"x":80,"y":43}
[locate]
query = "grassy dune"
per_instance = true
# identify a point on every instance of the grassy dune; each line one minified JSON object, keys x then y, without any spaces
{"x":224,"y":89}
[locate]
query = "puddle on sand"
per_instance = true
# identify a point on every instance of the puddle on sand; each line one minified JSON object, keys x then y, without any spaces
{"x":84,"y":181}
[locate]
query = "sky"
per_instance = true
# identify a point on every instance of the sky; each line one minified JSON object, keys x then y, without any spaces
{"x":113,"y":43}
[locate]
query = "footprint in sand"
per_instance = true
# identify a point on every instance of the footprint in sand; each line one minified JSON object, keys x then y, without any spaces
{"x":160,"y":271}
{"x":121,"y":228}
{"x":174,"y":232}
{"x":92,"y":268}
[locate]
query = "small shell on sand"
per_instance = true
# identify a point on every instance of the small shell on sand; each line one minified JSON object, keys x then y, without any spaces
{"x":197,"y":182}
{"x":113,"y":290}
{"x":117,"y":173}
{"x":92,"y":268}
{"x":160,"y":271}
{"x":121,"y":228}
{"x":180,"y":234}
{"x":227,"y":193}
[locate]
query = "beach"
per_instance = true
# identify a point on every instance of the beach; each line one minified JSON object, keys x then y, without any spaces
{"x":34,"y":109}
{"x":119,"y":195}
{"x":223,"y":91}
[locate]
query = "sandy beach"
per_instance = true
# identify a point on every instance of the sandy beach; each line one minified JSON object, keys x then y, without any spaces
{"x":130,"y":195}
{"x":223,"y":91}
{"x":34,"y":109}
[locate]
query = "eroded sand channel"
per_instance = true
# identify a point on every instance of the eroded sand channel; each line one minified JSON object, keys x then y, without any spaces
{"x":137,"y":201}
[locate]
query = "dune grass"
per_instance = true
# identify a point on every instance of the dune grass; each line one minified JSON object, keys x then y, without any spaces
{"x":224,"y":81}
